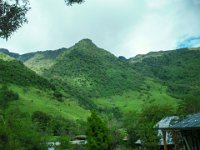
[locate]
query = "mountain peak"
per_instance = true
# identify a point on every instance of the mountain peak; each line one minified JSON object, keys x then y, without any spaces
{"x":7,"y":52}
{"x":85,"y":43}
{"x":86,"y":40}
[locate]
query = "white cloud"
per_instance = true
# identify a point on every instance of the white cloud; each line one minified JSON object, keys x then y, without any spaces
{"x":164,"y":24}
{"x":125,"y":27}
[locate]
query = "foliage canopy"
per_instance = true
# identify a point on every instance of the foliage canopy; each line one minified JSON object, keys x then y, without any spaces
{"x":12,"y":16}
{"x":98,"y":136}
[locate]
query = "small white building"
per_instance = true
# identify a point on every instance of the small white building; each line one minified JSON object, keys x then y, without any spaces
{"x":79,"y":140}
{"x":51,"y":145}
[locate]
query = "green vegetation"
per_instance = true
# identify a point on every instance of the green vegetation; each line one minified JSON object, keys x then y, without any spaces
{"x":7,"y":96}
{"x":86,"y":72}
{"x":140,"y":125}
{"x":7,"y":53}
{"x":17,"y":132}
{"x":32,"y":99}
{"x":32,"y":110}
{"x":36,"y":117}
{"x":188,"y":106}
{"x":5,"y":57}
{"x":148,"y":117}
{"x":13,"y":71}
{"x":178,"y":70}
{"x":130,"y":95}
{"x":153,"y":92}
{"x":40,"y":61}
{"x":13,"y":15}
{"x":98,"y":136}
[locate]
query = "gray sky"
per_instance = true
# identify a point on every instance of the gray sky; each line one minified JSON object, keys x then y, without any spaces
{"x":124,"y":27}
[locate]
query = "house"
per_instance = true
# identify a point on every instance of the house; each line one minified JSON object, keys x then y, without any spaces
{"x":166,"y":123}
{"x":52,"y":145}
{"x":79,"y":140}
{"x":189,"y":131}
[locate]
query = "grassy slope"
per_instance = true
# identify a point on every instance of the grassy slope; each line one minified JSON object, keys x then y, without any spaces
{"x":35,"y":92}
{"x":5,"y":57}
{"x":40,"y":61}
{"x":32,"y":99}
{"x":133,"y":100}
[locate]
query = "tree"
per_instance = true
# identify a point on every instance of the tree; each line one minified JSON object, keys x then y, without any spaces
{"x":7,"y":96}
{"x":98,"y":136}
{"x":140,"y":125}
{"x":149,"y":116}
{"x":65,"y":142}
{"x":17,"y":132}
{"x":13,"y":15}
{"x":130,"y":122}
{"x":42,"y":121}
{"x":6,"y":139}
{"x":188,"y":106}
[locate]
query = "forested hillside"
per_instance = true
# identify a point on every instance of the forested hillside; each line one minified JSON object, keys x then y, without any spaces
{"x":88,"y":72}
{"x":178,"y":70}
{"x":84,"y":71}
{"x":14,"y":71}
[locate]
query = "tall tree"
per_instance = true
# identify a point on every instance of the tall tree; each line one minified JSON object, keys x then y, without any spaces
{"x":98,"y":136}
{"x":149,"y":116}
{"x":130,"y":122}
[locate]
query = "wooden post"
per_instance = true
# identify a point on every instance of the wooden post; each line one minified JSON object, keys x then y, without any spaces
{"x":174,"y":137}
{"x":186,"y":142}
{"x":164,"y":139}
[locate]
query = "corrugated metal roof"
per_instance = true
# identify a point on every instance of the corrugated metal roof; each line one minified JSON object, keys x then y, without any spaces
{"x":191,"y":121}
{"x":166,"y":123}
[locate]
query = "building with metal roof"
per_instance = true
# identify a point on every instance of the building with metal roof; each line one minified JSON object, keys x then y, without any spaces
{"x":189,"y":131}
{"x":166,"y":123}
{"x":190,"y":122}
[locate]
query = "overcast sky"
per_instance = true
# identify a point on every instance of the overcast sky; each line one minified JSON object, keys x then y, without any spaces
{"x":124,"y":27}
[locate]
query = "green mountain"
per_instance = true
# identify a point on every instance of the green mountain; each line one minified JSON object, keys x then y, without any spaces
{"x":85,"y":71}
{"x":94,"y":77}
{"x":32,"y":110}
{"x":49,"y":94}
{"x":90,"y":71}
{"x":178,"y":70}
{"x":35,"y":92}
{"x":14,"y":71}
